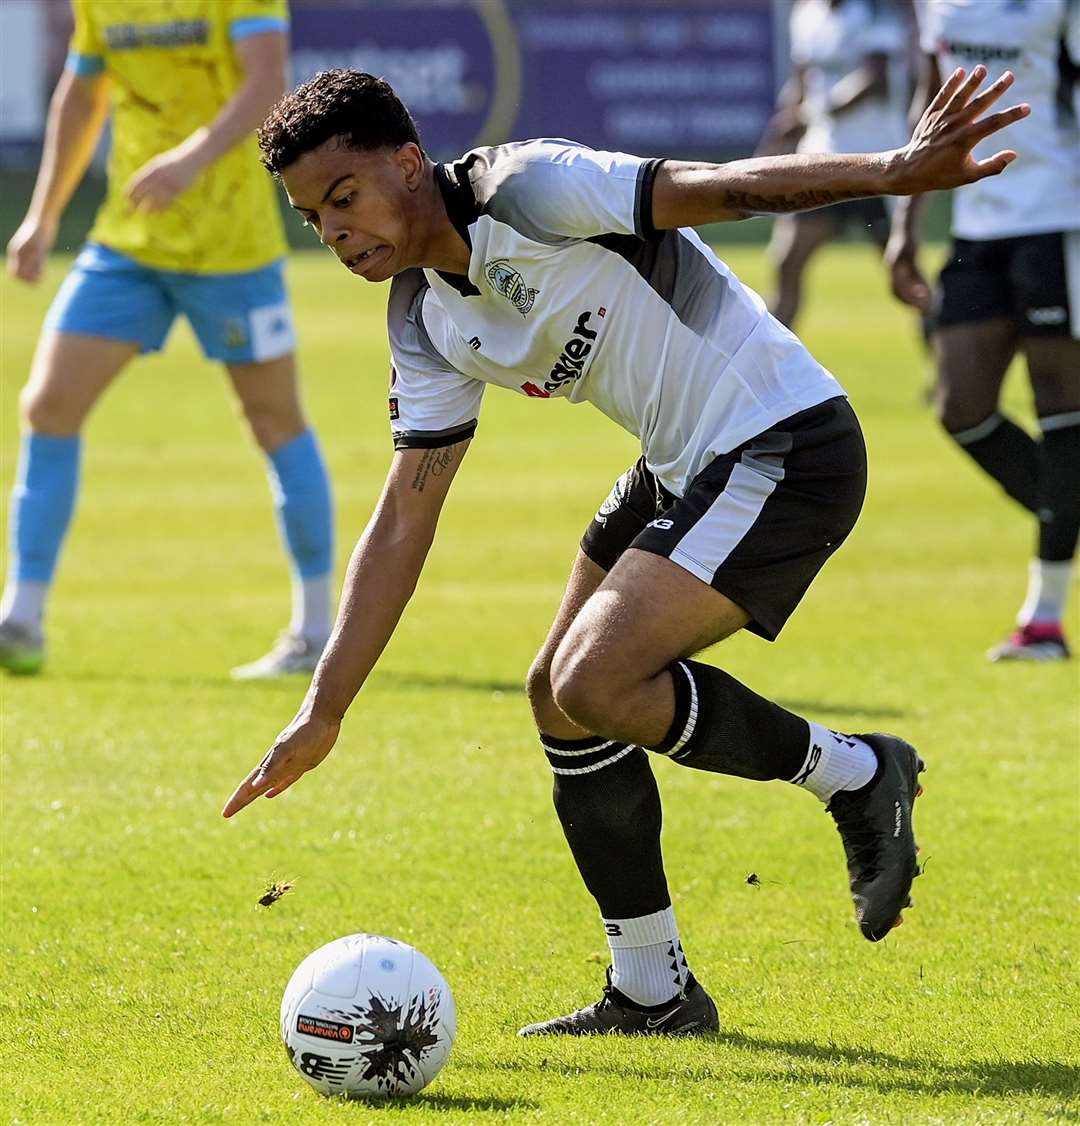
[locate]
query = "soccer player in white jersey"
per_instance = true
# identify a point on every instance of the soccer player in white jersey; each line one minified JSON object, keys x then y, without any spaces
{"x":1012,"y":285}
{"x":559,"y":272}
{"x":846,"y":93}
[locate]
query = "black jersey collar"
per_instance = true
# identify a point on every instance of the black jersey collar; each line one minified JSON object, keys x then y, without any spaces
{"x":453,"y":184}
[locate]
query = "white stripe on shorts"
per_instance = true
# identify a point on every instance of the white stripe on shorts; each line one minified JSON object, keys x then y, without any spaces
{"x":724,"y":525}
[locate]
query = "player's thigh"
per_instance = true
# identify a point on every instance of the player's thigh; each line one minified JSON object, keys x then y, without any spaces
{"x":975,"y":334}
{"x":1054,"y":370}
{"x":69,"y":373}
{"x":632,"y":502}
{"x":244,"y":320}
{"x":269,"y":396}
{"x":108,"y":309}
{"x":1046,"y":280}
{"x":585,"y":577}
{"x":971,"y":362}
{"x":645,"y":614}
{"x":739,"y":549}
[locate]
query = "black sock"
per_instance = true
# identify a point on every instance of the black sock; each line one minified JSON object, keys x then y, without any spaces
{"x":609,"y":806}
{"x":1008,"y":453}
{"x":1059,"y":487}
{"x":721,"y":726}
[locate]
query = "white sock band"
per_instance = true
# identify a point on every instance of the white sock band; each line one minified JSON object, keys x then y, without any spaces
{"x":1048,"y":589}
{"x":24,"y":602}
{"x":835,"y":762}
{"x":647,"y":960}
{"x":311,"y":610}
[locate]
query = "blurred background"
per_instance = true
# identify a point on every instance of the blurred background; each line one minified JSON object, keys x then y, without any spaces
{"x":690,"y":78}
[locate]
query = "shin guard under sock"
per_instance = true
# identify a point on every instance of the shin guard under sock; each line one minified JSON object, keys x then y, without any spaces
{"x":722,"y":726}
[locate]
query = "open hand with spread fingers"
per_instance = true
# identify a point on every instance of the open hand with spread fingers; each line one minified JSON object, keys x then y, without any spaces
{"x":298,"y":749}
{"x":938,"y":156}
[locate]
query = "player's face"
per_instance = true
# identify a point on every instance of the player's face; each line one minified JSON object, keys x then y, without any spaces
{"x":363,"y":205}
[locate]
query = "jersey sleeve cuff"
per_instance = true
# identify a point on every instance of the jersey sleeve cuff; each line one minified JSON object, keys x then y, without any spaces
{"x":85,"y":66}
{"x":433,"y":439}
{"x":643,"y":212}
{"x":256,"y":25}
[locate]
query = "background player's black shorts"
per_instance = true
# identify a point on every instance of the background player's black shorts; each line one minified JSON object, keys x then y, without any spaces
{"x":868,"y":217}
{"x":757,"y":523}
{"x":1033,"y":280}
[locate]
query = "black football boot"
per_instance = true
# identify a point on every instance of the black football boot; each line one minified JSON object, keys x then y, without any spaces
{"x":875,"y":826}
{"x":690,"y":1013}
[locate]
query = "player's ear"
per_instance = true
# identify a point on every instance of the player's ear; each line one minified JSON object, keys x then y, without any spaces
{"x":410,"y":159}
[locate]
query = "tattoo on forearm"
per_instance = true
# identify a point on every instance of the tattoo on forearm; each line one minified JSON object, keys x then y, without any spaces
{"x":433,"y":463}
{"x":799,"y":201}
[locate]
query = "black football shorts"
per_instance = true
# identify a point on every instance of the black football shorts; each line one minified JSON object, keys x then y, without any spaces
{"x":1033,"y":280}
{"x":757,"y":523}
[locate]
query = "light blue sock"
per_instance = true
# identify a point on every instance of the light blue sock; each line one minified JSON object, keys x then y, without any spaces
{"x":42,"y":502}
{"x":301,"y":491}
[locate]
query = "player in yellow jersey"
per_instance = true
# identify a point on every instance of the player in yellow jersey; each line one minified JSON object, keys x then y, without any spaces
{"x":189,"y":226}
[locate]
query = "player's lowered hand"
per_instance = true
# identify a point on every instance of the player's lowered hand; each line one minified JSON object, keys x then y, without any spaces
{"x":938,"y":156}
{"x":908,"y":283}
{"x":160,"y":181}
{"x":29,"y":247}
{"x":298,"y":749}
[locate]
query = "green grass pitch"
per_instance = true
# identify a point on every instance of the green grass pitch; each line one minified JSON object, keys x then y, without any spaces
{"x":141,"y":981}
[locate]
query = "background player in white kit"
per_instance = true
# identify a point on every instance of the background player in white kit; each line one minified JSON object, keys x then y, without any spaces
{"x":560,"y":272}
{"x":847,"y":93}
{"x":1012,"y":283}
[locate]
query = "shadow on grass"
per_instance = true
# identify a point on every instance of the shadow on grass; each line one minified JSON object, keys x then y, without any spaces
{"x":173,"y":680}
{"x":979,"y":1078}
{"x":438,"y":1104}
{"x":455,"y":1104}
{"x":422,"y":682}
{"x":815,"y":707}
{"x":985,"y":1078}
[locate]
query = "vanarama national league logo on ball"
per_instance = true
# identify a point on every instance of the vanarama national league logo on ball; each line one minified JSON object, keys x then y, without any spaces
{"x":504,"y":279}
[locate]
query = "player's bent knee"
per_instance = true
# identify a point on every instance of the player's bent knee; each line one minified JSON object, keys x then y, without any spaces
{"x":271,"y":427}
{"x":541,"y":699}
{"x":957,"y":411}
{"x":44,"y":411}
{"x":581,"y":693}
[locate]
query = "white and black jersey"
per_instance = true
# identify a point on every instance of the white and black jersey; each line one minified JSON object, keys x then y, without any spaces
{"x":1039,"y":40}
{"x":572,"y":293}
{"x":830,"y":41}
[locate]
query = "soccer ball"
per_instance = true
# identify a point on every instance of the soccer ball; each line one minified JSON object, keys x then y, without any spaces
{"x":366,"y":1016}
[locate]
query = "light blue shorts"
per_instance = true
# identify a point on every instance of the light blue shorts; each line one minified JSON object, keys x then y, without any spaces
{"x":238,"y":317}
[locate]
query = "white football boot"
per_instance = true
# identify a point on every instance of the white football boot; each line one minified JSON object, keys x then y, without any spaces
{"x":292,"y":655}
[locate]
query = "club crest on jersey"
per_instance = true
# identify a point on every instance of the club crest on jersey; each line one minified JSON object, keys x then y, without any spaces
{"x":504,"y":279}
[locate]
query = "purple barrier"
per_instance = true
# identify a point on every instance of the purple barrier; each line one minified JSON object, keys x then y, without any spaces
{"x":688,"y":79}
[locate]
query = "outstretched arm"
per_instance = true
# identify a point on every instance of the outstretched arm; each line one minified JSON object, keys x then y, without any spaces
{"x":263,"y":59}
{"x":938,"y":156}
{"x":382,"y":575}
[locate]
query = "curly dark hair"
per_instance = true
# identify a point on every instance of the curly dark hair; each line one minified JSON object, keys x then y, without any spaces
{"x":361,"y":109}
